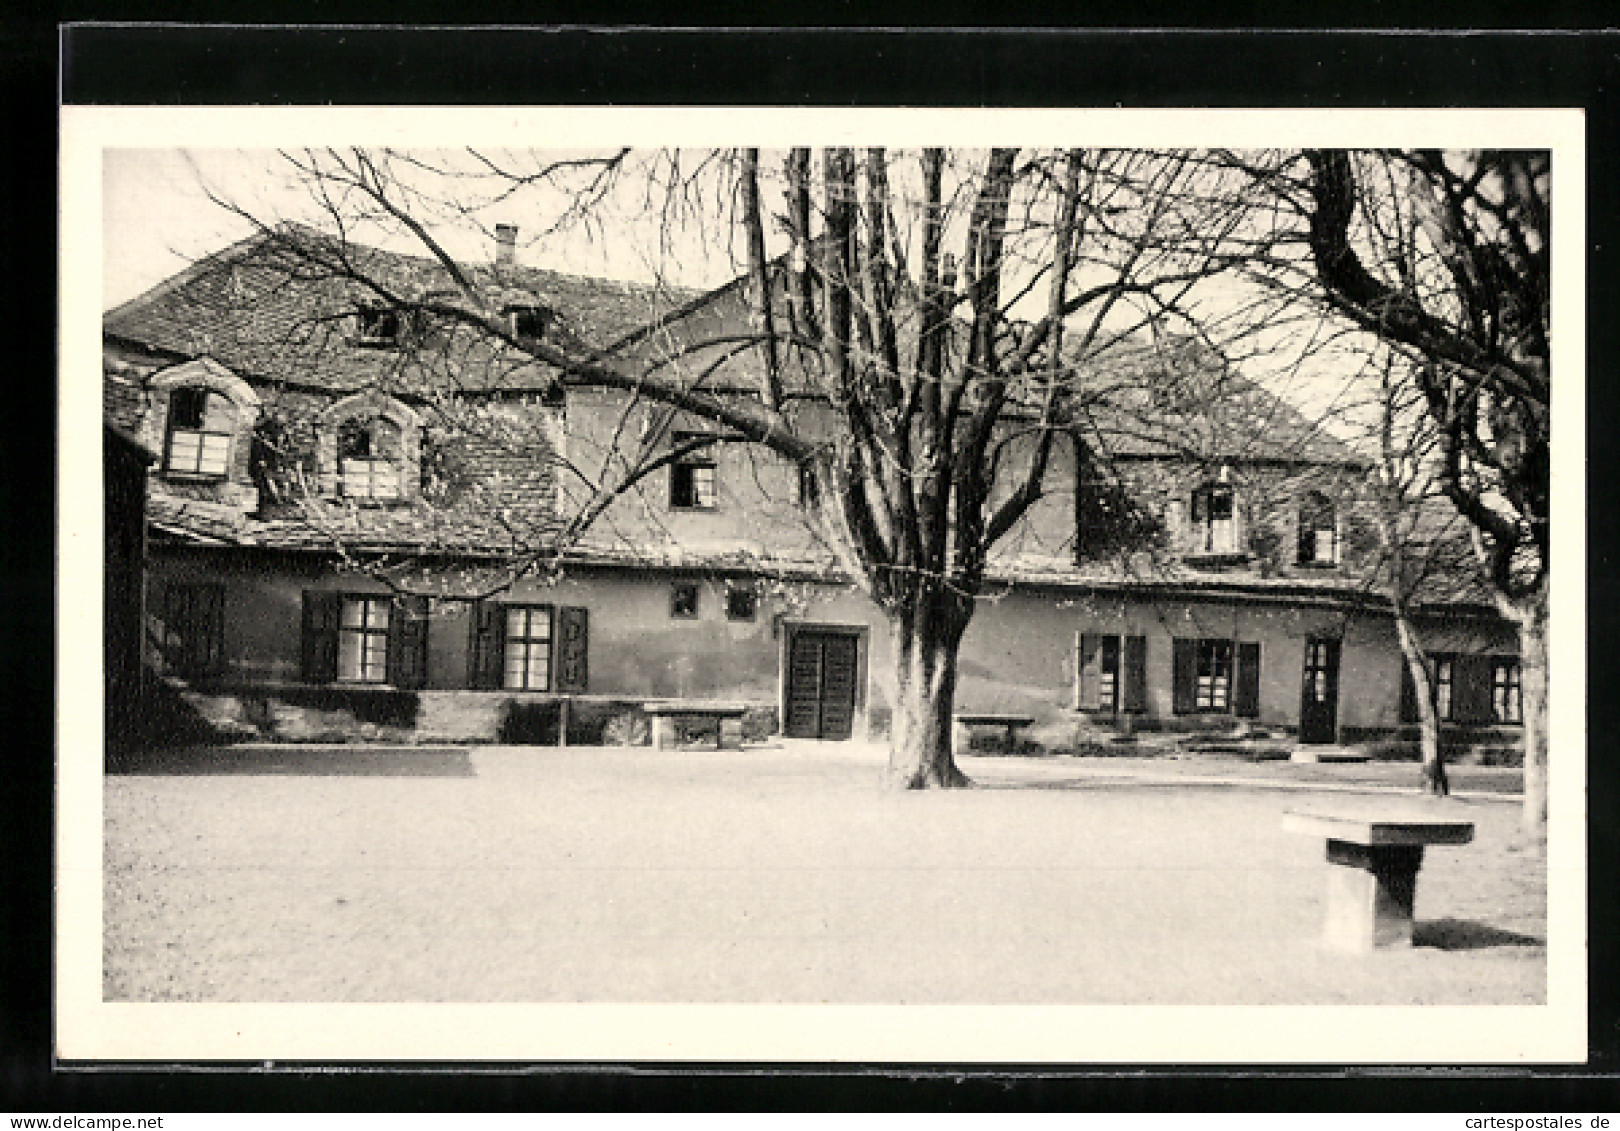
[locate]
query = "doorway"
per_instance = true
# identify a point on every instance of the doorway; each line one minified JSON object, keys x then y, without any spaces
{"x":1319,"y":695}
{"x":822,"y":670}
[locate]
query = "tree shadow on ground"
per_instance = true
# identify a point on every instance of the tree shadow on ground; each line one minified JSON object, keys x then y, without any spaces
{"x":1466,"y":934}
{"x":424,"y":762}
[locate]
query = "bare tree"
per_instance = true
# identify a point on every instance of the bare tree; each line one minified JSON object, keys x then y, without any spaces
{"x":923,"y":391}
{"x":1445,"y":258}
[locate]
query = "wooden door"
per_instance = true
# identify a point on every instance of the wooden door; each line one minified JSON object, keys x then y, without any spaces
{"x":822,"y":669}
{"x":1319,"y":695}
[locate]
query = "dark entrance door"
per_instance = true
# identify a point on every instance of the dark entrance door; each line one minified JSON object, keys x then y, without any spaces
{"x":1319,"y":697}
{"x":821,"y":685}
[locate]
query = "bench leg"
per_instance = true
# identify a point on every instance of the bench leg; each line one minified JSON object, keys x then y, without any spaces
{"x":661,"y":725}
{"x":1371,"y":892}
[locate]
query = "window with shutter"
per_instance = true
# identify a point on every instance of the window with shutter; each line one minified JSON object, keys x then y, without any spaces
{"x":527,"y":660}
{"x":1108,"y":681}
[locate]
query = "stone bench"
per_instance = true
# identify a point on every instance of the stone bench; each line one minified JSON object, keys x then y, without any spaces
{"x":663,"y":716}
{"x":1375,"y":856}
{"x":967,"y":720}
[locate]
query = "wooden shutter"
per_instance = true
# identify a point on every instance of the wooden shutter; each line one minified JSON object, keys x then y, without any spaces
{"x":407,"y":643}
{"x":1090,"y":668}
{"x":1246,"y":687}
{"x":1471,"y":689}
{"x":322,"y":611}
{"x":486,"y":645}
{"x":1409,"y":703}
{"x":1183,"y":690}
{"x":1133,"y":663}
{"x":211,"y":626}
{"x":570,"y":643}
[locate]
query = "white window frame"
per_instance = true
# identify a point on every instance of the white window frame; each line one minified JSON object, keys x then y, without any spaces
{"x":526,"y":647}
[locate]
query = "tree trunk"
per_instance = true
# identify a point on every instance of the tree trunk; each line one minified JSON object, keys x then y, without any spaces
{"x":927,"y":636}
{"x":1532,"y":619}
{"x":1417,"y":665}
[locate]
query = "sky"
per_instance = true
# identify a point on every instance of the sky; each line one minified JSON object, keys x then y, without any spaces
{"x":159,"y":217}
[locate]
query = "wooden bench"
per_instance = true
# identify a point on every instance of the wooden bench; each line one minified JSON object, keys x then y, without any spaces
{"x":663,"y":717}
{"x":1375,"y":856}
{"x":967,"y":720}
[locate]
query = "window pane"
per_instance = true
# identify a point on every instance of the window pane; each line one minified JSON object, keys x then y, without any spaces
{"x":183,"y":450}
{"x":703,"y":486}
{"x":350,"y":645}
{"x":1324,"y":546}
{"x":187,"y":408}
{"x":517,"y":622}
{"x":214,"y":451}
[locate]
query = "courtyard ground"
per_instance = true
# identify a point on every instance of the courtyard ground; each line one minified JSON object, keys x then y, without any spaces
{"x":776,"y":874}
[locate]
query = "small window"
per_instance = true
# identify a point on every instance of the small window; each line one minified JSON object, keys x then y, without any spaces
{"x":1108,"y":673}
{"x":1213,"y":691}
{"x":742,"y":602}
{"x":809,"y":489}
{"x":528,"y":648}
{"x":1318,"y":531}
{"x":1213,"y":520}
{"x":683,"y":600}
{"x":528,"y":321}
{"x":380,"y":326}
{"x":1507,"y":692}
{"x":201,"y":423}
{"x":692,"y":479}
{"x":363,"y":640}
{"x":368,"y":459}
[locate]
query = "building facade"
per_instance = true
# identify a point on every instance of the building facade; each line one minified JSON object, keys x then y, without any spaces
{"x":338,"y":495}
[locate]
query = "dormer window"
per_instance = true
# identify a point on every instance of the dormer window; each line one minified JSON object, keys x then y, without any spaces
{"x":1318,"y":531}
{"x":1214,"y":521}
{"x":381,"y":326}
{"x":370,"y":449}
{"x":201,"y":424}
{"x":692,"y":478}
{"x":528,"y":321}
{"x":369,"y":459}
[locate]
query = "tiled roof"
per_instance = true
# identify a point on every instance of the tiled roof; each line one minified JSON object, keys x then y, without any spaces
{"x":276,"y":307}
{"x":1180,"y":398}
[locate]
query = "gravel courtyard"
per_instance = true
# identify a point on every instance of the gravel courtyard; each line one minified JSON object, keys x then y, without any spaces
{"x":777,"y":874}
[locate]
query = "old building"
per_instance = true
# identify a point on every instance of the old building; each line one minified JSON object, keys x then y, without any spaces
{"x":340,"y":492}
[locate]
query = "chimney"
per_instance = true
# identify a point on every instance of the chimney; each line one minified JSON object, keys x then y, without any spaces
{"x":505,"y":243}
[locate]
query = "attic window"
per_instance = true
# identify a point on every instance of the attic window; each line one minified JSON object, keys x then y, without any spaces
{"x":528,"y":321}
{"x":1318,"y":531}
{"x":1214,"y":526}
{"x":368,"y":459}
{"x":380,"y":326}
{"x":692,"y":478}
{"x":201,"y":422}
